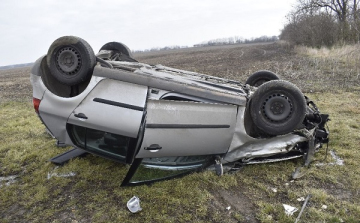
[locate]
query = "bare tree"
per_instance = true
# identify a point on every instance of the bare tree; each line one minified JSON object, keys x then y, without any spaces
{"x":339,"y":7}
{"x":311,"y":30}
{"x":346,"y":12}
{"x":325,"y":22}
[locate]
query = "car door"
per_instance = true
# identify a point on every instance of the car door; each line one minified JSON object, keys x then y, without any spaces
{"x":181,"y":137}
{"x":186,"y":128}
{"x":108,"y":120}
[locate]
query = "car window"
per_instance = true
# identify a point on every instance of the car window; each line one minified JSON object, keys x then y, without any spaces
{"x":102,"y":143}
{"x":154,"y":169}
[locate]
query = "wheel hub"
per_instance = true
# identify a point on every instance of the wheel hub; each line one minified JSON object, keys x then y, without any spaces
{"x":68,"y":60}
{"x":277,"y":108}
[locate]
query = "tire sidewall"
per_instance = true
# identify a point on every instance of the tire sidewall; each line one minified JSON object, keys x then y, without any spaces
{"x":261,"y":75}
{"x":87,"y":60}
{"x":118,"y":47}
{"x":292,"y":93}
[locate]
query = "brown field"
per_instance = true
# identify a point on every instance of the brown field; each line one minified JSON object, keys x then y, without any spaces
{"x":255,"y":193}
{"x":236,"y":62}
{"x":15,"y":85}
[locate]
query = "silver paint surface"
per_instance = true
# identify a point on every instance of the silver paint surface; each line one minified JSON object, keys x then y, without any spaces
{"x":188,"y":141}
{"x":110,"y":118}
{"x":55,"y":110}
{"x":265,"y":147}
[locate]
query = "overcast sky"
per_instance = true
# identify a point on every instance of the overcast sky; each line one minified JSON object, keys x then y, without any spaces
{"x":29,"y":27}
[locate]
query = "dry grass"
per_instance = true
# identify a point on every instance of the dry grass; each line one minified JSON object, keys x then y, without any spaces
{"x":94,"y":194}
{"x":336,"y":68}
{"x":309,"y":69}
{"x":348,"y":52}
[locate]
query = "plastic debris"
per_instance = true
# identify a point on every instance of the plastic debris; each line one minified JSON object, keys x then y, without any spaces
{"x":134,"y":205}
{"x":301,"y":199}
{"x":289,"y":210}
{"x":274,"y":190}
{"x":228,"y":208}
{"x":52,"y":174}
{"x":324,"y":207}
{"x":71,"y":174}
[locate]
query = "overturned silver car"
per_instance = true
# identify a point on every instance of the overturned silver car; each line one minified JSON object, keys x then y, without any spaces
{"x":164,"y":120}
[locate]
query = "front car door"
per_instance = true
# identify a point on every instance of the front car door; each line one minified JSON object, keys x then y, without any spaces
{"x":185,"y":128}
{"x":181,"y":137}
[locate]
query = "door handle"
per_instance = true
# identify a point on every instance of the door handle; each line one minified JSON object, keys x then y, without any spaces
{"x":153,"y":148}
{"x":81,"y":115}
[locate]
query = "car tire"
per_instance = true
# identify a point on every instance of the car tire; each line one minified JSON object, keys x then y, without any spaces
{"x":71,"y":60}
{"x":278,"y":107}
{"x":117,"y":47}
{"x":260,"y":77}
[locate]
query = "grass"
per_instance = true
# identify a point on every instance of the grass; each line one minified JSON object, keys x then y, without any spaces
{"x":337,"y":67}
{"x":94,"y":193}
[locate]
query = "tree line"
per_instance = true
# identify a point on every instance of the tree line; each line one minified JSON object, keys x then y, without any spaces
{"x":217,"y":42}
{"x":236,"y":40}
{"x":317,"y":23}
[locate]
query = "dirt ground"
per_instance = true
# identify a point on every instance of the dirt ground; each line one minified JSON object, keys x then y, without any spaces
{"x":15,"y":84}
{"x":233,"y":61}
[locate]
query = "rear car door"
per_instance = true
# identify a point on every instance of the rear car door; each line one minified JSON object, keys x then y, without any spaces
{"x":108,"y":120}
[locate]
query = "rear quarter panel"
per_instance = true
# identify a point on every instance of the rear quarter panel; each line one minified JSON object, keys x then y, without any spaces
{"x":55,"y":110}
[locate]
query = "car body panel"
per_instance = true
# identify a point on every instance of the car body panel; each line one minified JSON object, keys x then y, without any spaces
{"x":38,"y":86}
{"x":264,"y":148}
{"x":240,"y":136}
{"x":113,"y":106}
{"x":187,"y":128}
{"x":55,"y":110}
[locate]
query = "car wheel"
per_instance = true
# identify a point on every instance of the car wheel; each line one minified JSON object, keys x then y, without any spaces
{"x":278,"y":107}
{"x":260,"y":77}
{"x":117,"y":48}
{"x":71,"y":60}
